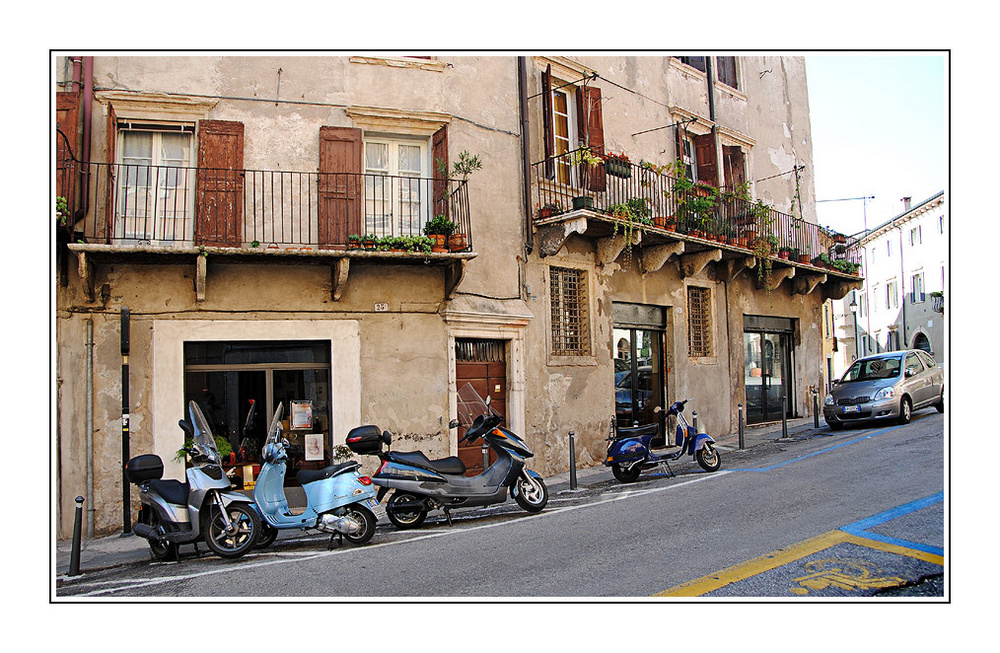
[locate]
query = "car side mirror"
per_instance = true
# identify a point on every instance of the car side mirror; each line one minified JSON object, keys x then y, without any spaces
{"x":909,"y":373}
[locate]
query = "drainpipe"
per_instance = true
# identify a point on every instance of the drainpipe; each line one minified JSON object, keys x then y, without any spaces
{"x":88,"y":113}
{"x":89,"y":428}
{"x":522,"y":91}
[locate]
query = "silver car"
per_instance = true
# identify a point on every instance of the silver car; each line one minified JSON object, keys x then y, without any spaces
{"x":887,"y":386}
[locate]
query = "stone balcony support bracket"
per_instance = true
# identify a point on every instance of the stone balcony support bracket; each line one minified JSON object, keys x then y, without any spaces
{"x":776,"y":277}
{"x":338,"y":277}
{"x":552,"y":237}
{"x":609,"y":248}
{"x":200,"y":277}
{"x":692,"y":264}
{"x":806,"y":283}
{"x":732,"y":268}
{"x":653,"y":258}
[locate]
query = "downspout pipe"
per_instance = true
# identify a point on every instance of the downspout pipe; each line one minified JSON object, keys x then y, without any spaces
{"x":89,"y":427}
{"x":88,"y":114}
{"x":522,"y":90}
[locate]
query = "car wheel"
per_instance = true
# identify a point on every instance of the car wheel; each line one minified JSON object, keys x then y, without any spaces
{"x":905,"y":410}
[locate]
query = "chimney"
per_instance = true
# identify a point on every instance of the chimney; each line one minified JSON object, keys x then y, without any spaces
{"x":906,"y":203}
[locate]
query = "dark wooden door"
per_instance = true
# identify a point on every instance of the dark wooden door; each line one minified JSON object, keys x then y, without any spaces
{"x":220,"y":183}
{"x":483,"y":363}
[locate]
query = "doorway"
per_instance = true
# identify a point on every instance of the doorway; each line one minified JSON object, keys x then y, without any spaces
{"x":483,"y":363}
{"x":640,"y":372}
{"x":768,"y":373}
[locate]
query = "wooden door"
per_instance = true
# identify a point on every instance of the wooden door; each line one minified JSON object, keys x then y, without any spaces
{"x":483,"y":363}
{"x":220,"y":183}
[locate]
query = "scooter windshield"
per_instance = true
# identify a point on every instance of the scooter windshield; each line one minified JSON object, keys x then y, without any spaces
{"x":272,"y":428}
{"x":203,"y":438}
{"x":471,"y":406}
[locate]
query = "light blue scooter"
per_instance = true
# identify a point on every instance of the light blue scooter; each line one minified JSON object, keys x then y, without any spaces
{"x":339,"y":500}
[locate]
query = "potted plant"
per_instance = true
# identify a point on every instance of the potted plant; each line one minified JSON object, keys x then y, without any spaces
{"x":439,"y":229}
{"x":368,"y":241}
{"x":617,"y":165}
{"x":548,"y":210}
{"x":354,"y":241}
{"x":784,"y":252}
{"x":462,"y":168}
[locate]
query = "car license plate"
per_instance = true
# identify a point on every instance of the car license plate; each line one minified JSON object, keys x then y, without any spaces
{"x":852,"y":409}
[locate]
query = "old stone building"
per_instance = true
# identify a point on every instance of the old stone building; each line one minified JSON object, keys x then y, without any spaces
{"x":626,"y":223}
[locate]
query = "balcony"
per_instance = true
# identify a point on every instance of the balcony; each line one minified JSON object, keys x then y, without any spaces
{"x":628,"y":205}
{"x":171,"y":214}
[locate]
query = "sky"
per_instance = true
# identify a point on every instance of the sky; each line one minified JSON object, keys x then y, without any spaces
{"x":879,"y":128}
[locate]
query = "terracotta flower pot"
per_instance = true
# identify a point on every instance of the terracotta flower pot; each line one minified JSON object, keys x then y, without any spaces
{"x":456,"y":242}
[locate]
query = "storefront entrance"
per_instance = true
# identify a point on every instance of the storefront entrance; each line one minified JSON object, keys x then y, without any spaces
{"x":768,"y":368}
{"x":640,"y":372}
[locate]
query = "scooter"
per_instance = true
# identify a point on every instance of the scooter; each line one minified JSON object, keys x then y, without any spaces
{"x":339,"y":500}
{"x":420,"y":485}
{"x":201,"y":509}
{"x":630,"y":453}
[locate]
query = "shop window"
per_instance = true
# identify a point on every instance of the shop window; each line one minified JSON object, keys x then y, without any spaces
{"x":699,"y":322}
{"x":569,"y":312}
{"x":240,"y":384}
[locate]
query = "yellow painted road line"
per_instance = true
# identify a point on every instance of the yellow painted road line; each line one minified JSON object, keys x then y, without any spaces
{"x":744,"y":570}
{"x":932,"y":558}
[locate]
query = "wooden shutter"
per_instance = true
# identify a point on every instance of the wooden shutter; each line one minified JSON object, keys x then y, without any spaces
{"x":439,"y":152}
{"x":704,"y":152}
{"x":590,"y":128}
{"x":68,"y":122}
{"x":219,"y":184}
{"x":112,"y":180}
{"x":735,"y":170}
{"x":341,"y":165}
{"x":549,"y":138}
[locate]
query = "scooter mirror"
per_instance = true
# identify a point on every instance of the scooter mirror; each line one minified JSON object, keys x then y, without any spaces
{"x":453,"y":424}
{"x":658,"y":410}
{"x":488,"y":399}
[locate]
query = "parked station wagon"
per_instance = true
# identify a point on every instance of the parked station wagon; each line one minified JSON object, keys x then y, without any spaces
{"x":885,"y":387}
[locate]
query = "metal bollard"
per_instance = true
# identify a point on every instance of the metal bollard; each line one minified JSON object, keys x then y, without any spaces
{"x":572,"y":461}
{"x":784,"y":414}
{"x":815,"y":409}
{"x":486,"y":456}
{"x":74,"y":558}
{"x":694,"y":421}
{"x":740,"y":425}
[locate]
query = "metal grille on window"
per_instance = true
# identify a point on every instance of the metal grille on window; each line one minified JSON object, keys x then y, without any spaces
{"x":699,"y":322}
{"x":479,"y":351}
{"x":570,"y":319}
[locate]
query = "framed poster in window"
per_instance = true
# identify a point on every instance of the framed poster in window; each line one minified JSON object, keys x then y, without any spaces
{"x":314,"y":446}
{"x":301,"y":418}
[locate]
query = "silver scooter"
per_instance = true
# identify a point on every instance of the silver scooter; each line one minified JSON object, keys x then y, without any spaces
{"x":200,"y":509}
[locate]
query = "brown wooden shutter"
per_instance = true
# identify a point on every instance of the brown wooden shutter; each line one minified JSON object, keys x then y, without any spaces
{"x":341,"y":165}
{"x":590,"y":128}
{"x":704,"y":152}
{"x":549,"y":138}
{"x":112,"y":180}
{"x":735,"y":170}
{"x":68,"y":122}
{"x":219,"y":184}
{"x":439,"y":153}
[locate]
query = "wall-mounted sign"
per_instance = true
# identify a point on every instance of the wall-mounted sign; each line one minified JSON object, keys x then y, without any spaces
{"x":302,"y":415}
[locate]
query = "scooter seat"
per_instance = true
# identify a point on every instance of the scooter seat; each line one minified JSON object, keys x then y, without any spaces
{"x":310,"y":475}
{"x":451,"y":465}
{"x":171,"y":490}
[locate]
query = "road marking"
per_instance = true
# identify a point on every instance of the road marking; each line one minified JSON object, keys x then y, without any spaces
{"x":855,"y":533}
{"x":816,"y":453}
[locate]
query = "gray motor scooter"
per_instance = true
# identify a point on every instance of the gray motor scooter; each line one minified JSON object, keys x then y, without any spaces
{"x":200,"y":509}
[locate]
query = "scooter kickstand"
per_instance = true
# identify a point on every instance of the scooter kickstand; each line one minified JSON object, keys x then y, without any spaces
{"x":329,"y":546}
{"x":447,"y":515}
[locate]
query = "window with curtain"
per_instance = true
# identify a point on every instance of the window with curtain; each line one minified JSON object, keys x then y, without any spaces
{"x":397,"y":201}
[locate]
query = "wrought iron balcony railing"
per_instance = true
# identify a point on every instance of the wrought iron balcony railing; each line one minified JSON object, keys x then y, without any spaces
{"x":169,"y":206}
{"x":655,"y":200}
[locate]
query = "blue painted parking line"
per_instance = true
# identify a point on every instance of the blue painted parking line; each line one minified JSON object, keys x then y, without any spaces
{"x":860,"y":528}
{"x":815,"y":453}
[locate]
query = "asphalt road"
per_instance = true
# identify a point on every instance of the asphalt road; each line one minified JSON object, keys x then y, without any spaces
{"x":851,"y":514}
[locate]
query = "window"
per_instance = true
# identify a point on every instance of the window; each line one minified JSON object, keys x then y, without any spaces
{"x":888,"y":248}
{"x":928,"y":360}
{"x":561,"y":130}
{"x":570,"y":314}
{"x":916,"y":236}
{"x":917,"y":288}
{"x":699,"y":322}
{"x":695,"y":62}
{"x":726,"y":71}
{"x":891,"y":295}
{"x":941,"y":224}
{"x":913,"y":365}
{"x":155,"y":182}
{"x":397,"y":202}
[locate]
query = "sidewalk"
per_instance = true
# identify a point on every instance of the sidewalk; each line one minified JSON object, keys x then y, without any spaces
{"x":117,"y":550}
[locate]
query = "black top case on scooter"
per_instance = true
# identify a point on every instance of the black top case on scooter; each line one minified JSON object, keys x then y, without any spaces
{"x":143,"y":468}
{"x":366,"y":440}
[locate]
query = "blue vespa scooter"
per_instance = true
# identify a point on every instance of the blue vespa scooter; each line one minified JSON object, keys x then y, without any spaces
{"x":629,"y":451}
{"x":339,"y":500}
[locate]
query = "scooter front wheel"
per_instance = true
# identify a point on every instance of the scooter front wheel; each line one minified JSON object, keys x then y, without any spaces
{"x":237,"y":540}
{"x":625,"y":474}
{"x":708,"y":457}
{"x":530,"y":493}
{"x":405,"y":510}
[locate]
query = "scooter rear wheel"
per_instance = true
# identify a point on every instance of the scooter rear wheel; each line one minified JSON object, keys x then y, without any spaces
{"x":268,"y":534}
{"x":405,"y":517}
{"x":165,"y":551}
{"x":626,"y":475}
{"x":367,"y":519}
